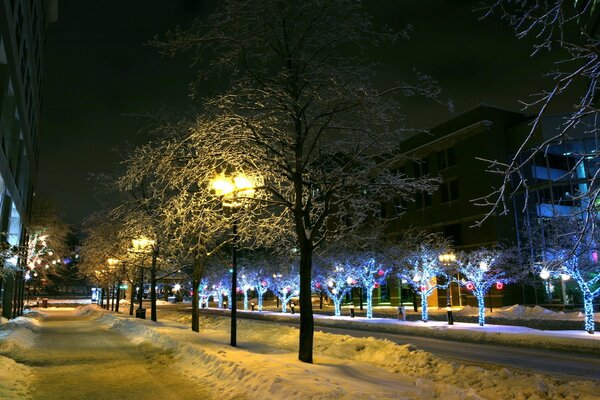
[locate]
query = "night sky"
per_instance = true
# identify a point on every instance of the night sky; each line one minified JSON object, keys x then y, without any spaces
{"x":99,"y":74}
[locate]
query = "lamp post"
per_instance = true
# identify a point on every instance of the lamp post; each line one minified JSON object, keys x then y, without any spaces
{"x":232,"y":191}
{"x":447,"y":259}
{"x":138,"y":247}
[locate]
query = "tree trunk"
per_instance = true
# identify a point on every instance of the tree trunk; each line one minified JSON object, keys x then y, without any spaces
{"x":118,"y":296}
{"x":131,"y":297}
{"x":153,"y":285}
{"x":305,"y":351}
{"x":196,"y":277}
{"x":424,"y":312}
{"x":481,"y":305}
{"x":369,"y":302}
{"x":588,"y":308}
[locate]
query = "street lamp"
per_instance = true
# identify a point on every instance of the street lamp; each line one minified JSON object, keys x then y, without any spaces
{"x":232,"y":191}
{"x":138,"y":247}
{"x":447,"y":259}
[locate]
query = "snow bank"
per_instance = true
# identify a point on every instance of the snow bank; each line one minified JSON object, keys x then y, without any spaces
{"x":19,"y":332}
{"x":15,"y":380}
{"x":266,"y":366}
{"x":16,"y":334}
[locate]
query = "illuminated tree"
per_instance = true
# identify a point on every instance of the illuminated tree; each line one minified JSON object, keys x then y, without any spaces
{"x":246,"y":282}
{"x":303,"y":114}
{"x":46,"y":247}
{"x":370,"y":275}
{"x":422,"y":270}
{"x":204,"y":292}
{"x":481,"y":270}
{"x":560,"y":253}
{"x":285,"y":285}
{"x":337,"y":280}
{"x":261,"y":267}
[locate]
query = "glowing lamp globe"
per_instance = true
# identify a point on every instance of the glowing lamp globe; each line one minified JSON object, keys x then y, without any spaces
{"x":544,"y":274}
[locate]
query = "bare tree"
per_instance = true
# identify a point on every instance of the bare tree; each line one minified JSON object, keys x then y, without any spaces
{"x":569,"y":30}
{"x":301,"y":112}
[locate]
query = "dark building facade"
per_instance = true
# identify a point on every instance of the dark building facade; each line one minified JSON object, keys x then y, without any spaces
{"x":22,"y":26}
{"x":456,"y":151}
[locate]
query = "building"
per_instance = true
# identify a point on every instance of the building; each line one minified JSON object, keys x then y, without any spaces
{"x":22,"y":26}
{"x":455,"y":151}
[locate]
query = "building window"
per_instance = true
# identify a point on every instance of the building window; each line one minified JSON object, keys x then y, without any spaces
{"x":421,"y":168}
{"x":446,"y":158}
{"x":449,"y":191}
{"x":422,"y":200}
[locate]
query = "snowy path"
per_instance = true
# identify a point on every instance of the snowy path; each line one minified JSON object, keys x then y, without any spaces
{"x":78,"y":358}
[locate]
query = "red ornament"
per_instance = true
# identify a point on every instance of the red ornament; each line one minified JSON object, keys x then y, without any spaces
{"x":354,"y":281}
{"x":318,"y":285}
{"x":263,"y":284}
{"x":499,"y":285}
{"x":380,"y":272}
{"x":470,"y":286}
{"x":423,"y":288}
{"x":376,"y":285}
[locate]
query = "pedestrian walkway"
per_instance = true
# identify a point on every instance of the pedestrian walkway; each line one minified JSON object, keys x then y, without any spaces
{"x":80,"y":358}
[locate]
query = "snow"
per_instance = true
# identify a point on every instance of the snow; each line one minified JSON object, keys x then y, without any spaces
{"x":265,"y":364}
{"x":518,"y":311}
{"x":345,"y":367}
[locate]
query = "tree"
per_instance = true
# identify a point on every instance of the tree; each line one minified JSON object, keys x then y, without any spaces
{"x":285,"y":284}
{"x":422,"y":270}
{"x":261,"y":265}
{"x":370,"y":275}
{"x":106,"y":239}
{"x":46,"y":242}
{"x":569,"y":30}
{"x":559,"y":252}
{"x":301,"y":112}
{"x":481,"y":270}
{"x":337,"y":280}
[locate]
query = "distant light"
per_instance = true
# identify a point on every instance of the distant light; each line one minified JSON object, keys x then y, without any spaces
{"x":544,"y":274}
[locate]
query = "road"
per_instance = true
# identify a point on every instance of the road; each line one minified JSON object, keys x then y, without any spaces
{"x":79,"y":358}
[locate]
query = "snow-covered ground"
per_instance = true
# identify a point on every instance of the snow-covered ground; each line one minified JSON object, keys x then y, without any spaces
{"x":265,"y":365}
